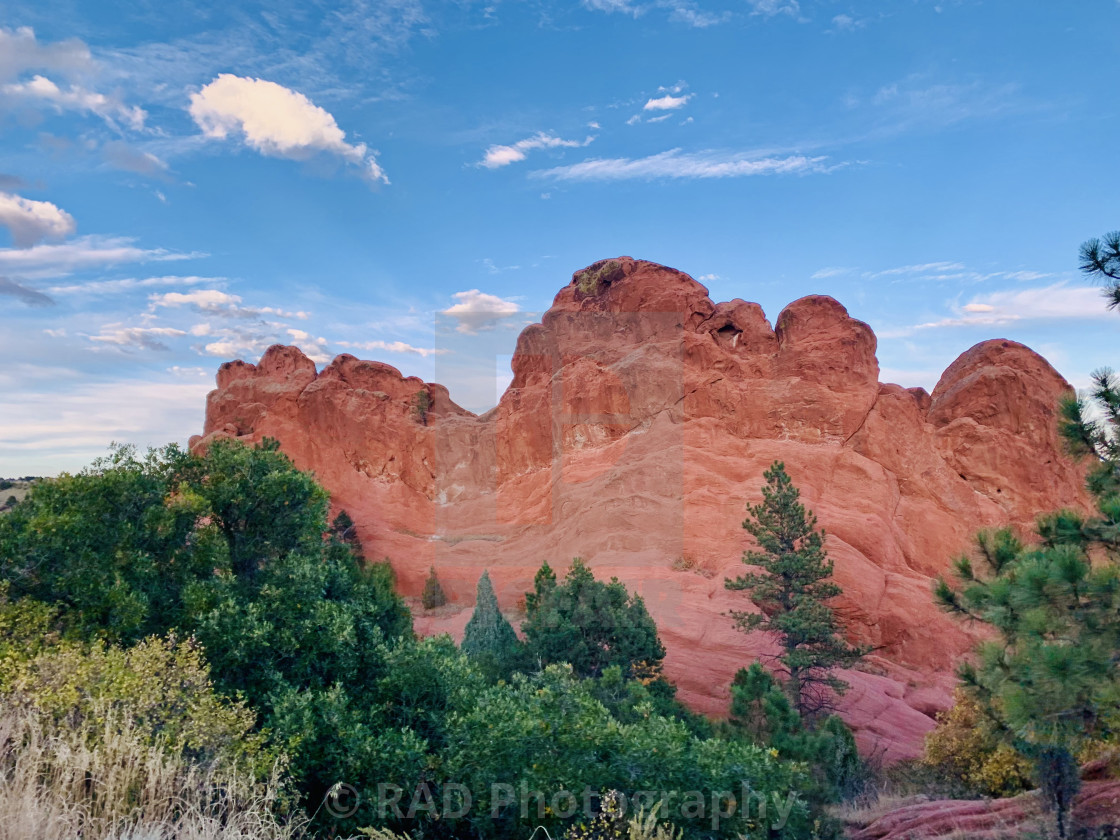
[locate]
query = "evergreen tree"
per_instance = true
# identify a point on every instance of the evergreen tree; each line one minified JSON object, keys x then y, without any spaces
{"x":433,"y":595}
{"x":344,"y":530}
{"x":489,"y":638}
{"x":1101,"y":260}
{"x":1051,"y":675}
{"x":763,"y":714}
{"x":591,"y":625}
{"x":791,"y":592}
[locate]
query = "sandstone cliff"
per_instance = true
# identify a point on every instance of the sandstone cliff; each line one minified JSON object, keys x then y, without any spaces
{"x":637,"y":427}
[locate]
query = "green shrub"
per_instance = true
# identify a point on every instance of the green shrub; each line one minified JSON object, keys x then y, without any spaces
{"x":590,"y":624}
{"x":433,"y":595}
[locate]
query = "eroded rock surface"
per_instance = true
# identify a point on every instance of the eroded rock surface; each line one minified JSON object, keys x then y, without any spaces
{"x":637,"y":427}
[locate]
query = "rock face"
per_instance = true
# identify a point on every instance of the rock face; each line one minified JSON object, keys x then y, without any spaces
{"x":637,"y":427}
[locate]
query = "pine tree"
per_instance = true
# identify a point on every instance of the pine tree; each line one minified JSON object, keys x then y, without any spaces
{"x":1101,"y":260}
{"x":1050,"y":676}
{"x":433,"y":595}
{"x":791,"y":591}
{"x":489,"y":638}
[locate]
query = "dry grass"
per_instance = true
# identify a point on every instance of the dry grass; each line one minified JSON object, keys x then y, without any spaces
{"x":108,"y":785}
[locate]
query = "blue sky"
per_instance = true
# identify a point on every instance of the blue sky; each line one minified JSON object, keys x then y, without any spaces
{"x":412,"y":181}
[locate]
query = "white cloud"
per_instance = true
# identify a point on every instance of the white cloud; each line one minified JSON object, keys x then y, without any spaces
{"x":498,"y":156}
{"x":144,"y":338}
{"x":667,"y":103}
{"x":33,"y":221}
{"x":477,"y":310}
{"x":847,"y":23}
{"x":662,"y":118}
{"x":216,"y":302}
{"x":1054,"y":302}
{"x":680,"y":11}
{"x":828,"y":271}
{"x":770,"y":8}
{"x":393,"y":347}
{"x":86,"y":252}
{"x":677,"y":164}
{"x":622,"y":6}
{"x":77,"y":98}
{"x":276,"y":121}
{"x":920,"y":268}
{"x":687,"y":13}
{"x":127,"y":284}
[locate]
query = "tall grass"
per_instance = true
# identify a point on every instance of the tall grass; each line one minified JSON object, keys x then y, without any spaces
{"x":110,"y":785}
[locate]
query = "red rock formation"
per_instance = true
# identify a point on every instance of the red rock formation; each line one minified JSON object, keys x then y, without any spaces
{"x":1097,"y":806}
{"x":637,"y":427}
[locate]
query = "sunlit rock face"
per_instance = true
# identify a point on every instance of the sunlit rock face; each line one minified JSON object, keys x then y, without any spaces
{"x":638,"y":424}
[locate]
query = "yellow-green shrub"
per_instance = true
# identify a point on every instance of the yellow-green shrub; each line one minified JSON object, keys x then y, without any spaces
{"x":965,"y":748}
{"x":159,"y":688}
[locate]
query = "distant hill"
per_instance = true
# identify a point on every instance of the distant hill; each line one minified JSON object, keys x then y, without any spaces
{"x":13,"y":490}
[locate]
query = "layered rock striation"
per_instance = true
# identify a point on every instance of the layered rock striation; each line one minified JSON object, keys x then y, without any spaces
{"x":637,"y":427}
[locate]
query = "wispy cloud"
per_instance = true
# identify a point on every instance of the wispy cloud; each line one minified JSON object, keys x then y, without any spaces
{"x":499,"y":156}
{"x":477,"y":310}
{"x":23,"y":294}
{"x":949,"y":271}
{"x":680,"y":11}
{"x":143,"y":338}
{"x":393,"y":347}
{"x":770,"y":8}
{"x":128,"y":284}
{"x":276,"y":121}
{"x":829,"y":271}
{"x":45,"y":261}
{"x":1055,"y":302}
{"x":123,"y":156}
{"x":33,"y":221}
{"x":847,"y":23}
{"x":677,"y":164}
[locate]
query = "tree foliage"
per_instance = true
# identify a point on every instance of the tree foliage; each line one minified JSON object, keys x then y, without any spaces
{"x":590,"y":624}
{"x":489,"y":638}
{"x":433,"y":595}
{"x":1050,"y":676}
{"x":791,"y":593}
{"x":763,"y":714}
{"x":1100,"y":259}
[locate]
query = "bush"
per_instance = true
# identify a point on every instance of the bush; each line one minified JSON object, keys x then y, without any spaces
{"x":966,"y":749}
{"x":590,"y":624}
{"x":433,"y":595}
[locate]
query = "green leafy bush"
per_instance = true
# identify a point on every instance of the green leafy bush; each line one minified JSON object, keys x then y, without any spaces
{"x":590,"y":624}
